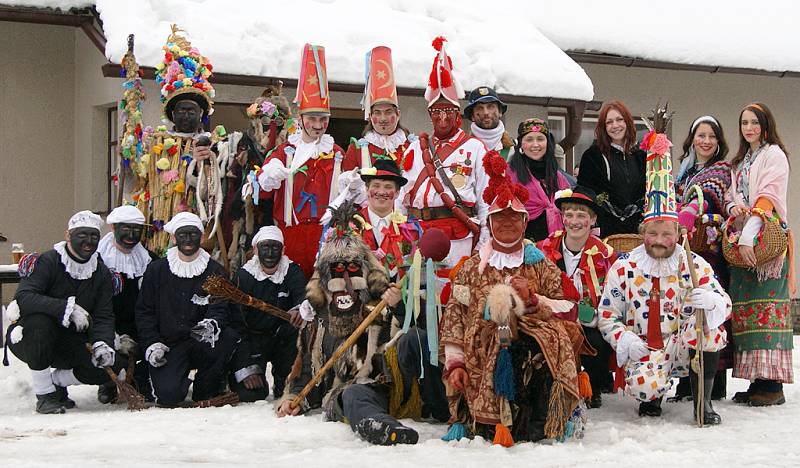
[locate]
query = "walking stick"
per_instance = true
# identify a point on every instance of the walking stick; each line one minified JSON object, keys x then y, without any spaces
{"x":134,"y":399}
{"x":351,"y":340}
{"x":699,"y":320}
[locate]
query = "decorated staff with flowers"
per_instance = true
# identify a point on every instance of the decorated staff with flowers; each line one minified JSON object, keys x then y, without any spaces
{"x":760,"y":283}
{"x":584,"y":261}
{"x":169,"y":178}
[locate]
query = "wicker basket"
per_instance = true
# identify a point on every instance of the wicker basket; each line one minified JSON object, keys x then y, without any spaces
{"x":772,"y":242}
{"x":624,"y":242}
{"x":699,"y":240}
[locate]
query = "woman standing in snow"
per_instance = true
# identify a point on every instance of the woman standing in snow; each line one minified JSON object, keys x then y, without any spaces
{"x":614,"y":167}
{"x":703,"y":165}
{"x":762,"y":325}
{"x":534,"y":166}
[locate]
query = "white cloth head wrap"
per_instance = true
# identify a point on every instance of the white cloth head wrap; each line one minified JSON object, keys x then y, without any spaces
{"x":267,"y":233}
{"x":184,"y":218}
{"x":128,"y":214}
{"x":85,"y":218}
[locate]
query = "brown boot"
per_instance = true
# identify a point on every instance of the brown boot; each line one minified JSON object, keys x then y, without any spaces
{"x":767,"y":398}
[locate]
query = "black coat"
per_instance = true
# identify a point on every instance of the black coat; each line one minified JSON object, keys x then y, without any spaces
{"x":47,"y":288}
{"x":290,"y":293}
{"x":625,"y":190}
{"x":165,"y":312}
{"x":125,"y":305}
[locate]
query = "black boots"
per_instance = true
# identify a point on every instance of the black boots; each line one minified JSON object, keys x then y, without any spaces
{"x":107,"y":393}
{"x":650,"y":408}
{"x":710,"y":361}
{"x":63,"y":397}
{"x":380,"y":432}
{"x":50,"y":403}
{"x":770,"y":392}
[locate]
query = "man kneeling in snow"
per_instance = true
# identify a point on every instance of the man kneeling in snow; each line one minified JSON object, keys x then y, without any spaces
{"x":64,"y":304}
{"x":365,"y":386}
{"x":178,"y":327}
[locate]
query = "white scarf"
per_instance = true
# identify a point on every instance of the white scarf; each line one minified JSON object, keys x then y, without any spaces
{"x":253,"y":266}
{"x":490,"y":137}
{"x":78,"y":271}
{"x":183,"y":269}
{"x":660,"y":267}
{"x":304,"y":151}
{"x":386,"y":142}
{"x":131,"y":264}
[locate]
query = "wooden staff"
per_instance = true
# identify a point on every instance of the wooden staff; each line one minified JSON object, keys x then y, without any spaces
{"x":219,"y":286}
{"x":699,"y":320}
{"x":134,"y":399}
{"x":351,"y":340}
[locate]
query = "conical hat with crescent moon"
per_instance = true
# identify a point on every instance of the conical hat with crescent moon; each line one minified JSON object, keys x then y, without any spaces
{"x":312,"y":87}
{"x":380,"y":86}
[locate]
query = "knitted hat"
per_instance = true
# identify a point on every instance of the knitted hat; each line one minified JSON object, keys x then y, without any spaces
{"x":660,"y":203}
{"x":379,"y":86}
{"x":442,"y":82}
{"x":85,"y":218}
{"x":502,"y":192}
{"x":184,"y":74}
{"x":312,"y":87}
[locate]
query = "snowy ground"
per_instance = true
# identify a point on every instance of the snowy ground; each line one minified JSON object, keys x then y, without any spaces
{"x":250,"y":434}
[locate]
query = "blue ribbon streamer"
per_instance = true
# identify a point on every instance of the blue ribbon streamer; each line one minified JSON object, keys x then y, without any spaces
{"x":366,"y":78}
{"x":409,"y":301}
{"x":311,"y":198}
{"x":431,"y":313}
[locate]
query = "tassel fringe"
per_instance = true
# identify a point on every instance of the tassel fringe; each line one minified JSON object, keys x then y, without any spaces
{"x":558,"y":412}
{"x":584,"y":385}
{"x":502,"y":436}
{"x":504,"y":375}
{"x":457,"y":431}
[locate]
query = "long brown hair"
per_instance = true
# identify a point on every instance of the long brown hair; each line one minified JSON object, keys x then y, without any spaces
{"x":769,"y":131}
{"x":600,"y":134}
{"x":722,"y":145}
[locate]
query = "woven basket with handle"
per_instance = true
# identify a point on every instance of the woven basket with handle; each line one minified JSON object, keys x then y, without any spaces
{"x":772,"y":241}
{"x":624,"y":242}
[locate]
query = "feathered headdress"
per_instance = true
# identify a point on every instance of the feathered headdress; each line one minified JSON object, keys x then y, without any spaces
{"x":502,"y":192}
{"x":442,"y":82}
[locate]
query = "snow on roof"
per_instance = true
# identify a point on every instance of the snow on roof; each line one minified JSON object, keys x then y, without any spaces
{"x":253,"y":37}
{"x":731,"y":33}
{"x":63,"y":5}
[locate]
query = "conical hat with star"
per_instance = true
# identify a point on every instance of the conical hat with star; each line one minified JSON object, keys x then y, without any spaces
{"x":380,"y":86}
{"x":312,"y":87}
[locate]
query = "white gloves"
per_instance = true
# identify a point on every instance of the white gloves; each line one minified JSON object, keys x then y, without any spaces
{"x":306,"y":311}
{"x":272,"y":175}
{"x":76,"y":315}
{"x":712,"y":303}
{"x":630,"y":348}
{"x":206,"y":331}
{"x":352,"y":188}
{"x":156,"y":354}
{"x":102,"y":355}
{"x":125,"y":345}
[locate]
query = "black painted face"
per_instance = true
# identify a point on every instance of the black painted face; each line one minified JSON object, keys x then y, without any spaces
{"x":186,"y":116}
{"x":269,"y":253}
{"x":127,"y":235}
{"x":83,"y":241}
{"x":187,"y":239}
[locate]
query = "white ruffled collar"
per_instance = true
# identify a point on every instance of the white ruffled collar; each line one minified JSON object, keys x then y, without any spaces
{"x":253,"y":266}
{"x":131,"y":264}
{"x":387,"y":142}
{"x":304,"y":151}
{"x":499,"y":260}
{"x":78,"y":271}
{"x":659,"y":267}
{"x":183,"y":269}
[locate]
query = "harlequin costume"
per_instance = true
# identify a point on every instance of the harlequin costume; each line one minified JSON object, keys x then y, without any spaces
{"x":446,"y":176}
{"x":520,"y":361}
{"x":380,"y":88}
{"x":645,"y":313}
{"x":301,"y":178}
{"x":167,"y":175}
{"x":582,"y":279}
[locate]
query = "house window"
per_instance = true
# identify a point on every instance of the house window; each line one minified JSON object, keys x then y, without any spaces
{"x":113,"y":165}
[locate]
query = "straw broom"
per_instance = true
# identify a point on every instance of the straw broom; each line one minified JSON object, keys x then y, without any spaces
{"x":220,"y":287}
{"x":134,"y":399}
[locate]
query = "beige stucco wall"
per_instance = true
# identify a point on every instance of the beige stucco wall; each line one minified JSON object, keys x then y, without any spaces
{"x":692,"y":94}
